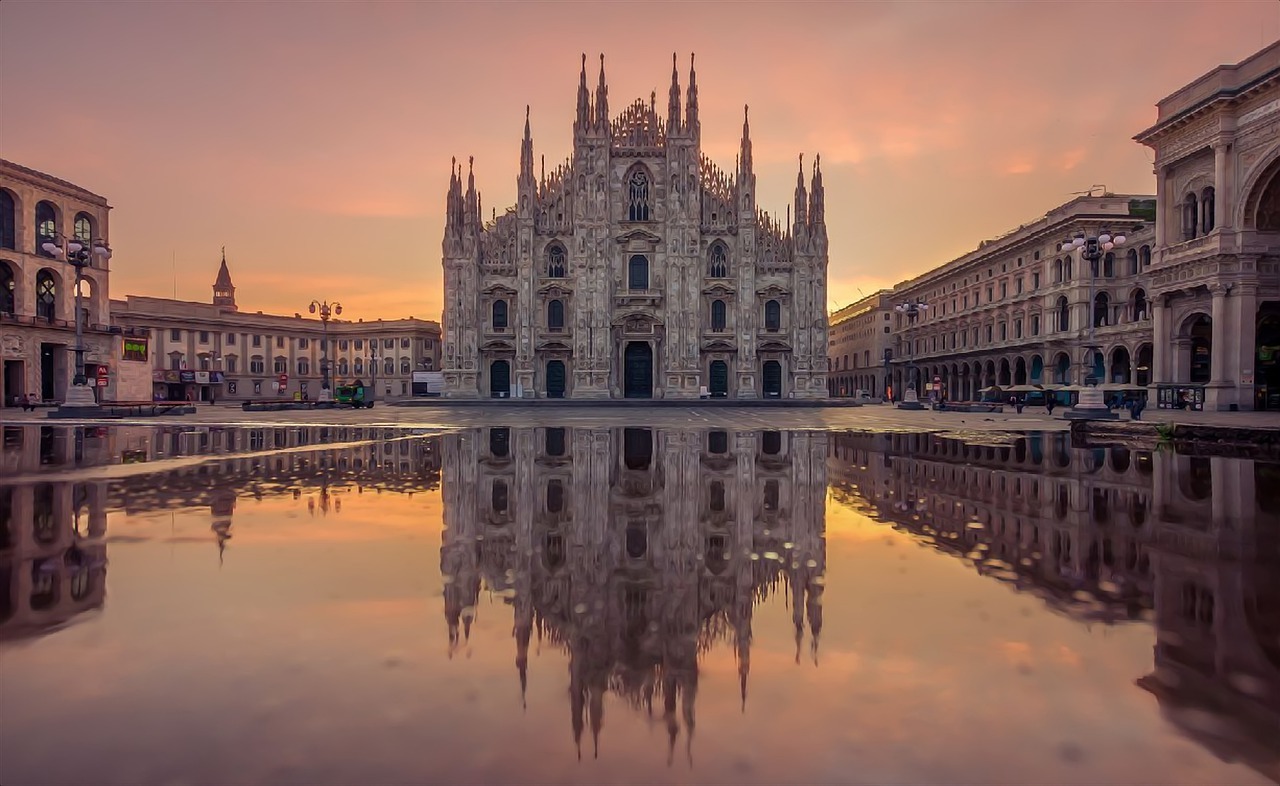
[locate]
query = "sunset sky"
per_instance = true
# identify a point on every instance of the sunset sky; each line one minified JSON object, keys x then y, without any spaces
{"x":313,"y":140}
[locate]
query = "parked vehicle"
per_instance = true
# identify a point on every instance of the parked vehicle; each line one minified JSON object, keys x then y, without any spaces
{"x":353,"y":396}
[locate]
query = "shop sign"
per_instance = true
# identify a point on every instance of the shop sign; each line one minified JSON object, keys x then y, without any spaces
{"x":186,"y":376}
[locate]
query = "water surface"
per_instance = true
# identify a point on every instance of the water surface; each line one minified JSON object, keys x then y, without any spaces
{"x":337,"y":605}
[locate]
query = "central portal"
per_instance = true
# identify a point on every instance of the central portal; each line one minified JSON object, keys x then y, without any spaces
{"x":637,"y":364}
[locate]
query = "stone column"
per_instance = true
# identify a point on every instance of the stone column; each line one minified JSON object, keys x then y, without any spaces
{"x":1218,"y":393}
{"x":1242,"y":358}
{"x":1222,"y":185}
{"x":1160,"y":342}
{"x":1161,"y":196}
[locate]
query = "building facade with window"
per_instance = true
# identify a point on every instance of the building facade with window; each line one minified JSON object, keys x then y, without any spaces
{"x":37,"y":289}
{"x":213,"y":351}
{"x":1215,"y":281}
{"x":638,"y":268}
{"x":860,"y":334}
{"x":1018,"y":311}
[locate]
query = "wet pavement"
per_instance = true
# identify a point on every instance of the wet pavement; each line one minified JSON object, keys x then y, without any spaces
{"x":603,"y":603}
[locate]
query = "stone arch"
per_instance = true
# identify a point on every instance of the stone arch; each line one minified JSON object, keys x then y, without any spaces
{"x":557,"y":260}
{"x":1101,"y":309}
{"x":10,"y":209}
{"x":1036,"y":376}
{"x":48,"y":292}
{"x":88,"y":289}
{"x":1143,"y":359}
{"x":48,"y":219}
{"x":84,"y":228}
{"x":1139,"y":308}
{"x":1121,"y":369}
{"x":1020,"y":371}
{"x":8,"y":288}
{"x":640,"y":191}
{"x":1195,"y":336}
{"x":718,"y":260}
{"x":1261,"y":208}
{"x":1062,"y":369}
{"x":1006,"y":373}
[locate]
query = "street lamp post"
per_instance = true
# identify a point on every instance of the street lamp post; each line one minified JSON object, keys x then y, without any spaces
{"x":1092,"y":248}
{"x":326,"y":310}
{"x":912,"y":309}
{"x":79,"y":253}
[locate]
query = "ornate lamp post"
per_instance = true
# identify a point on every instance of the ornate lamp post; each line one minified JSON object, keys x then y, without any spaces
{"x":1092,"y":248}
{"x":326,"y":310}
{"x":80,"y":254}
{"x":912,"y":309}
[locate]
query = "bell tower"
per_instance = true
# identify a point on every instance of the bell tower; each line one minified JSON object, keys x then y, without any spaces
{"x":224,"y":292}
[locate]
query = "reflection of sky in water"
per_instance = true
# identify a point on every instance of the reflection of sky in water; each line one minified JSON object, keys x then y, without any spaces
{"x":317,"y":650}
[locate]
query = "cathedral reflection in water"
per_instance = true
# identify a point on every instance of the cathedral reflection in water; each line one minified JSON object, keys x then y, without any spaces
{"x":635,"y":550}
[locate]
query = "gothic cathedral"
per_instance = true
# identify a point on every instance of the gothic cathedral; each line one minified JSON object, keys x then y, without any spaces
{"x":636,"y":269}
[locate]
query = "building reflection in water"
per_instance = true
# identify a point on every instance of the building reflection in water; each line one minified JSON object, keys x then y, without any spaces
{"x":1111,"y":535}
{"x":635,"y":551}
{"x":53,"y":538}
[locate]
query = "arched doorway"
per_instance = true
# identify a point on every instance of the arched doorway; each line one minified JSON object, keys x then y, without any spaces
{"x":771,"y":379}
{"x":638,"y":370}
{"x":1037,"y":370}
{"x":1020,"y":371}
{"x":719,"y":379}
{"x":1267,"y":354}
{"x":499,"y":379}
{"x":555,"y":379}
{"x":1200,"y":333}
{"x":1120,"y":370}
{"x":1143,"y":366}
{"x":1006,"y":377}
{"x":1062,"y":369}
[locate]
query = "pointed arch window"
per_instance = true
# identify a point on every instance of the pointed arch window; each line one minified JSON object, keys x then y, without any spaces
{"x":46,"y":227}
{"x":638,"y":272}
{"x":8,"y":221}
{"x":772,"y":315}
{"x":555,"y":315}
{"x":1144,"y":256}
{"x":1064,"y":314}
{"x":718,"y":316}
{"x":499,"y":315}
{"x":718,"y":261}
{"x":1132,"y":258}
{"x":1207,"y":200}
{"x":46,"y":296}
{"x":555,"y":261}
{"x":1109,"y":265}
{"x":638,"y":195}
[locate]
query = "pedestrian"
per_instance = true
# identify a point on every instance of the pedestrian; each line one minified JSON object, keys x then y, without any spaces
{"x":1048,"y":403}
{"x":28,"y":405}
{"x":1017,"y":402}
{"x":1138,"y":406}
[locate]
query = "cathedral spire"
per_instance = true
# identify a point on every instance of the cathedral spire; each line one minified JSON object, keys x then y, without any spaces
{"x":745,"y":154}
{"x":584,"y":98}
{"x":817,"y":195}
{"x":691,"y":110}
{"x":602,"y":100}
{"x":526,"y":152}
{"x":802,"y":200}
{"x":673,"y":101}
{"x":471,"y":215}
{"x":224,"y":292}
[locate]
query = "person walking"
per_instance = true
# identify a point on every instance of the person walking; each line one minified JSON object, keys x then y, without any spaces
{"x":1138,"y":406}
{"x":1048,"y":403}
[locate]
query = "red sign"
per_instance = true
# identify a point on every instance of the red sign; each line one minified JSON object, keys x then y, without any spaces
{"x":102,"y":382}
{"x":284,"y":379}
{"x":102,"y":372}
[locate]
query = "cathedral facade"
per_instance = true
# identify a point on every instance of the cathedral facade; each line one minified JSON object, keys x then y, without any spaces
{"x":635,"y":269}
